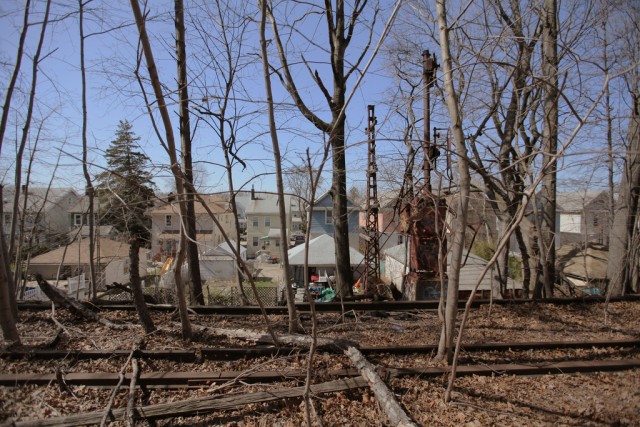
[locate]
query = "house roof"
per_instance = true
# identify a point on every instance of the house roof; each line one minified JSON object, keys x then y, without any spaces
{"x":38,"y":197}
{"x":262,"y":203}
{"x":321,"y":253}
{"x":217,"y":205}
{"x":576,"y":201}
{"x":223,"y":249}
{"x":78,"y":253}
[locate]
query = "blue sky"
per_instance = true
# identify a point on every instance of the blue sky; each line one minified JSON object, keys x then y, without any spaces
{"x":114,"y":95}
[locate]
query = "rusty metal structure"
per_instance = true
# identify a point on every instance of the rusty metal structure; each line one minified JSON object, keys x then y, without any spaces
{"x":426,"y":222}
{"x":371,"y":233}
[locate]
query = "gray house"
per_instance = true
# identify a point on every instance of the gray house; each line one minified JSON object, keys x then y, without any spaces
{"x":43,"y":211}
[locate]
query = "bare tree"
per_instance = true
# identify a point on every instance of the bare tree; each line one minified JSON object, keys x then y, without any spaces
{"x":185,"y":152}
{"x":90,"y":191}
{"x":445,"y":348}
{"x":549,"y":147}
{"x":340,"y":29}
{"x":293,"y":317}
{"x":170,"y":147}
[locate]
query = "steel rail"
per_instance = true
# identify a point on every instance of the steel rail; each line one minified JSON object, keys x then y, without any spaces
{"x":203,"y":379}
{"x":191,"y":356}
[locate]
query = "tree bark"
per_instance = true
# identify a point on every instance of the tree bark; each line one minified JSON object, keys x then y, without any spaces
{"x":622,"y":265}
{"x":445,"y":348}
{"x":549,"y":147}
{"x":90,"y":193}
{"x":136,"y":287}
{"x":284,"y":241}
{"x":187,"y":162}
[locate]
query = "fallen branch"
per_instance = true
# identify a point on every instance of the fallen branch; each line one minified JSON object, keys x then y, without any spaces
{"x":199,"y":406}
{"x":108,"y":410}
{"x":384,"y":396}
{"x":58,"y":297}
{"x":131,"y":410}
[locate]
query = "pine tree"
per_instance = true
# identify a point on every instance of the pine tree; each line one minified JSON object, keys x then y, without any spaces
{"x":126,"y":188}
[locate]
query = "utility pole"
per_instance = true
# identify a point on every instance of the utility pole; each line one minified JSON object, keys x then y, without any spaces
{"x":371,"y":234}
{"x":427,"y":260}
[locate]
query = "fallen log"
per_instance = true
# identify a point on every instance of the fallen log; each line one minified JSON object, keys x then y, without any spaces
{"x":294,"y":340}
{"x":384,"y":396}
{"x":199,"y":406}
{"x":58,"y":297}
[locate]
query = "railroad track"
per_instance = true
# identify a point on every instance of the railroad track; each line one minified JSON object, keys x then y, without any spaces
{"x":337,"y":307}
{"x":173,"y":379}
{"x":190,"y":356}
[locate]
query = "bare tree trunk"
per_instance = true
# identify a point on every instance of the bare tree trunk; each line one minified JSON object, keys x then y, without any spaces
{"x":136,"y":287}
{"x":8,"y":308}
{"x":622,"y":265}
{"x":187,"y":162}
{"x":445,"y":348}
{"x":90,"y":193}
{"x":293,"y":316}
{"x":14,"y":76}
{"x":550,"y":147}
{"x":20,"y":151}
{"x":175,"y":169}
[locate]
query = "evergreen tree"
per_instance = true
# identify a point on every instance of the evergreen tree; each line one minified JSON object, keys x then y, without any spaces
{"x":125,"y":189}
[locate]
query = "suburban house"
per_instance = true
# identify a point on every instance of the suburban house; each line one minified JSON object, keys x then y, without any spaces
{"x":111,"y":258}
{"x":389,"y":225}
{"x":322,"y":219}
{"x":322,"y":260}
{"x":45,"y":213}
{"x":584,"y":267}
{"x":262,"y":214}
{"x":583,"y":216}
{"x":396,"y":268}
{"x":79,"y":221}
{"x":165,"y":226}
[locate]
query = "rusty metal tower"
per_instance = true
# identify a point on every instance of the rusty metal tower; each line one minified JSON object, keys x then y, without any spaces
{"x":427,"y":258}
{"x":371,"y":233}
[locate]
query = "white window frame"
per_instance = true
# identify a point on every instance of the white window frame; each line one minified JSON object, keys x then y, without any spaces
{"x":255,"y":222}
{"x":77,"y":219}
{"x":256,"y":242}
{"x":328,"y":216}
{"x":168,"y":220}
{"x":267,"y":221}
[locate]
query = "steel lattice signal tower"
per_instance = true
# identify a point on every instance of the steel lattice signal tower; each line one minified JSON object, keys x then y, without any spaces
{"x":372,"y":234}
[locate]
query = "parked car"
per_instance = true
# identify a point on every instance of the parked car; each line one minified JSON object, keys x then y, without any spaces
{"x":272,"y":259}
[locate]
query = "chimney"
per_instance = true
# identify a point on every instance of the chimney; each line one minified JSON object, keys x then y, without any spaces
{"x":253,"y":193}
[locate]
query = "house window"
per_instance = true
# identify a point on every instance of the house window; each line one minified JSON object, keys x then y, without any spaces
{"x":267,"y":221}
{"x":595,"y":221}
{"x":255,"y":222}
{"x":77,"y":219}
{"x":328,"y":216}
{"x":400,"y":239}
{"x":277,"y":242}
{"x":168,"y":220}
{"x":7,"y":219}
{"x":255,"y":241}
